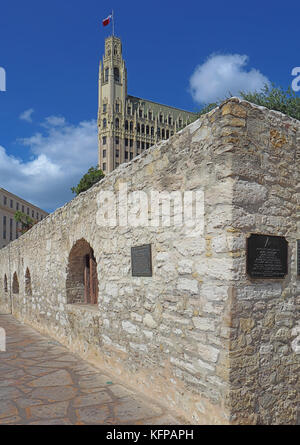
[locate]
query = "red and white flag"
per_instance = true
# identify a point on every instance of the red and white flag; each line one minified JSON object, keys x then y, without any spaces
{"x":107,"y":21}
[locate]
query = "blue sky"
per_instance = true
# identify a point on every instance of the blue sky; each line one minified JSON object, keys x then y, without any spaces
{"x":173,"y":52}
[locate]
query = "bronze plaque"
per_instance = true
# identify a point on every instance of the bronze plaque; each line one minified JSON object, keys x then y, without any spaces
{"x":267,"y":256}
{"x":141,"y":261}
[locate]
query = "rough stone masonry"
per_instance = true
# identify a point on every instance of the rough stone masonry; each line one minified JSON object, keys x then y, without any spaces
{"x":199,"y":335}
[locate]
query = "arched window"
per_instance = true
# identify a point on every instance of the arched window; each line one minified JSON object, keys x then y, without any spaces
{"x":117,"y":122}
{"x":163,"y":134}
{"x":131,"y":127}
{"x":167,"y":134}
{"x":106,"y":74}
{"x":116,"y":74}
{"x":143,"y":128}
{"x":147,"y":129}
{"x":28,"y":290}
{"x":138,"y":128}
{"x":152,"y":131}
{"x":104,"y":123}
{"x":5,"y":283}
{"x":15,"y":284}
{"x":82,"y":278}
{"x":126,"y":125}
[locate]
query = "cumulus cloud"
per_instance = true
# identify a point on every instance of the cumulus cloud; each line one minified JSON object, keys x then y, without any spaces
{"x":27,"y":115}
{"x":59,"y":157}
{"x":224,"y":75}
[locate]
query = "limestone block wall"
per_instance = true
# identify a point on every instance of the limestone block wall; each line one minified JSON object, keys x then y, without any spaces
{"x":198,"y":335}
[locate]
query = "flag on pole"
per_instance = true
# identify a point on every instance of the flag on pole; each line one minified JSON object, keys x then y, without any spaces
{"x":107,"y":21}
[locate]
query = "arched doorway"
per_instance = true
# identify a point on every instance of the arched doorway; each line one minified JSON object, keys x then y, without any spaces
{"x":82,"y":278}
{"x":15,"y":284}
{"x":28,"y":290}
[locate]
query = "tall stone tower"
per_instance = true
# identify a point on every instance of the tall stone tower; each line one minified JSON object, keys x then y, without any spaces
{"x":128,"y":125}
{"x":112,"y":99}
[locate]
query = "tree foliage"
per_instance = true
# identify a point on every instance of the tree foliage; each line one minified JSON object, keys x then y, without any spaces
{"x":26,"y":222}
{"x":272,"y":97}
{"x":93,"y":176}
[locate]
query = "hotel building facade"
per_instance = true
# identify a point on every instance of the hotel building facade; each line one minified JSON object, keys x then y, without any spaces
{"x":9,"y":205}
{"x":128,"y":125}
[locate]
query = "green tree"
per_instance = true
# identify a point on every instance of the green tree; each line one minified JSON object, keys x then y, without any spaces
{"x":272,"y":97}
{"x":25,"y":221}
{"x":93,"y":176}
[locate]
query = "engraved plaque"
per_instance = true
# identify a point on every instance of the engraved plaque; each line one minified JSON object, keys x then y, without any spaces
{"x":267,"y":256}
{"x":141,"y":261}
{"x":298,"y":257}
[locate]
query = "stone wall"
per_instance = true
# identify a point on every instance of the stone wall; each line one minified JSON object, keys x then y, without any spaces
{"x":199,"y":335}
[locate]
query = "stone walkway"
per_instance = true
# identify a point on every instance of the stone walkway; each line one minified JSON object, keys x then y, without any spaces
{"x":42,"y":383}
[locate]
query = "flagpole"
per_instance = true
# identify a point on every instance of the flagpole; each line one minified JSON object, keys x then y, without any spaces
{"x":113,"y":23}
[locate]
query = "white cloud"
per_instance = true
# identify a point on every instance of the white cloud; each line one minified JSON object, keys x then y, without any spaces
{"x":27,"y":115}
{"x":223,"y":75}
{"x":60,"y":157}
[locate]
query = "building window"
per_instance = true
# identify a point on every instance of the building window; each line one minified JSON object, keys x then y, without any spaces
{"x":106,"y":75}
{"x":138,"y":144}
{"x":4,"y":200}
{"x":117,"y":108}
{"x":143,"y":145}
{"x":128,"y":110}
{"x":104,"y":123}
{"x":147,"y":145}
{"x":104,"y":140}
{"x":160,"y":118}
{"x":152,"y":131}
{"x":140,"y":113}
{"x":126,"y":142}
{"x":131,"y":127}
{"x":11,"y":204}
{"x":117,"y":164}
{"x":167,"y":134}
{"x":147,"y":129}
{"x":131,"y":156}
{"x":143,"y":128}
{"x":150,"y":115}
{"x":4,"y":227}
{"x":163,"y":133}
{"x":32,"y":213}
{"x":104,"y":108}
{"x":117,"y":123}
{"x":138,"y":128}
{"x":126,"y":125}
{"x":104,"y":153}
{"x":104,"y":166}
{"x":116,"y":74}
{"x":17,"y":206}
{"x":11,"y":229}
{"x":117,"y":140}
{"x":117,"y":153}
{"x":23,"y":209}
{"x":131,"y":142}
{"x":28,"y":211}
{"x":158,"y":132}
{"x":180,"y":123}
{"x":170,"y":120}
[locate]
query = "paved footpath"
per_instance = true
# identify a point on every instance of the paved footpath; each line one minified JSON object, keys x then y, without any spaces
{"x":42,"y":383}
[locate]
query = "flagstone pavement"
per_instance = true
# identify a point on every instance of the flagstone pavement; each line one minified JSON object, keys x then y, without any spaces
{"x":42,"y":383}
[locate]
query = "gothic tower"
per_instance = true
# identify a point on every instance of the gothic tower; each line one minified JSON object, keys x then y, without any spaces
{"x":112,"y":99}
{"x":128,"y":125}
